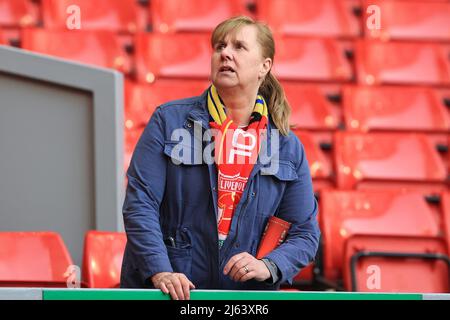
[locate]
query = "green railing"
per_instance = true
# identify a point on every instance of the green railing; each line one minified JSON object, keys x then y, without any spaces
{"x":224,"y":295}
{"x":122,"y":294}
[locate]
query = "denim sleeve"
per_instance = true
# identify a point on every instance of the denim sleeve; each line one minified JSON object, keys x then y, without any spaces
{"x":298,"y":206}
{"x":146,"y":183}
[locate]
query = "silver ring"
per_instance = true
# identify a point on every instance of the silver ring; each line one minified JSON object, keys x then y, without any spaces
{"x":246,"y":269}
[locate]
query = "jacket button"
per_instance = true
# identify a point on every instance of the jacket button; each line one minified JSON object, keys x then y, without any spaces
{"x":189,"y":125}
{"x":253,"y":194}
{"x":236,"y":245}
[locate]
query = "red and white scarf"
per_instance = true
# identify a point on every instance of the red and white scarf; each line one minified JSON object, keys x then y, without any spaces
{"x":236,"y":152}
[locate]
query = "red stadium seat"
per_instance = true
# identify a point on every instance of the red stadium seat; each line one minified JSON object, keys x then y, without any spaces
{"x":396,"y":264}
{"x":131,"y":139}
{"x":100,"y":48}
{"x":328,"y":18}
{"x":411,"y":20}
{"x":310,"y":107}
{"x":172,"y":56}
{"x":305,"y":276}
{"x":142,"y":99}
{"x":395,"y":109}
{"x":385,"y":160}
{"x":102,"y":259}
{"x":444,"y":95}
{"x":11,"y":36}
{"x":319,"y":165}
{"x":402,"y":63}
{"x":194,"y":15}
{"x":442,"y":143}
{"x":137,"y":109}
{"x":18,"y":13}
{"x":2,"y":38}
{"x":446,"y":217}
{"x":33,"y":259}
{"x":390,"y":216}
{"x":112,"y":15}
{"x":311,"y":59}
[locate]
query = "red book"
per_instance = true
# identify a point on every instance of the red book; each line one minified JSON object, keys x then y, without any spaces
{"x":274,"y":234}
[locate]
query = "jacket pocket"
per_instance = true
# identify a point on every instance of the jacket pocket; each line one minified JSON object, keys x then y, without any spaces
{"x":282,"y":170}
{"x":187,"y":176}
{"x":181,"y":260}
{"x":272,"y":184}
{"x":183,"y":153}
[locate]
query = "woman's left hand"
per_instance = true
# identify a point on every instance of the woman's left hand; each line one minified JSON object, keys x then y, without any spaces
{"x":243,"y":266}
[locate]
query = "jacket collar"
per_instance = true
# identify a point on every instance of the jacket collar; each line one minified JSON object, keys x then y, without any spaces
{"x":200,"y":111}
{"x":200,"y":114}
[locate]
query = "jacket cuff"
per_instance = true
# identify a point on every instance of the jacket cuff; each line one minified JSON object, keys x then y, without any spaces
{"x":153,"y":265}
{"x":273,"y":269}
{"x":280,"y":261}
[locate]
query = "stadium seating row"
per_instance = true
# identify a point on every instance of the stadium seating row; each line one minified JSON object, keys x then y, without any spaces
{"x":319,"y":107}
{"x":187,"y":56}
{"x":41,"y":259}
{"x":159,"y":56}
{"x":367,"y":161}
{"x":400,"y":234}
{"x":382,"y":135}
{"x":413,"y":20}
{"x":403,"y":235}
{"x":377,"y":160}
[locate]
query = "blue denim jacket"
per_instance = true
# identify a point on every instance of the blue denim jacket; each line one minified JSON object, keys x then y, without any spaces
{"x":167,"y":200}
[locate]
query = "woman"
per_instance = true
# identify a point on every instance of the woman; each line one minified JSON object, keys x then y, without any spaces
{"x":193,"y":224}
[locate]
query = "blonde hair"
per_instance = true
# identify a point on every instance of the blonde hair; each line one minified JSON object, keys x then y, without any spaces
{"x":270,"y":88}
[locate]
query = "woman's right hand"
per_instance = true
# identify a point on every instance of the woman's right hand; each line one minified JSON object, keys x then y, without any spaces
{"x":175,"y":284}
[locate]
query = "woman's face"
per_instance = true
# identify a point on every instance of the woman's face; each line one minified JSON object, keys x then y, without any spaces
{"x":237,"y":61}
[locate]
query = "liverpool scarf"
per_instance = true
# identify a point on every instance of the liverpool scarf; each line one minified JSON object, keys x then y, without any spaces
{"x":236,"y":151}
